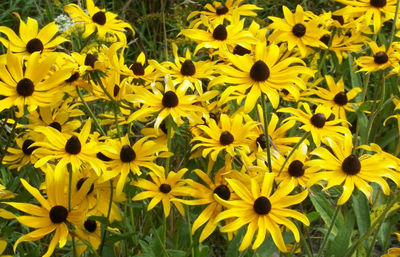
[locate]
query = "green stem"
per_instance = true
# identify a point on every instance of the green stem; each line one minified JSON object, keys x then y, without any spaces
{"x":305,"y":244}
{"x":158,"y":236}
{"x":292,"y":151}
{"x":325,"y":241}
{"x":394,"y":24}
{"x":168,"y":124}
{"x":372,"y":246}
{"x":190,"y":230}
{"x":103,"y":238}
{"x":266,"y":134}
{"x":355,"y":245}
{"x":323,"y":59}
{"x":91,"y":114}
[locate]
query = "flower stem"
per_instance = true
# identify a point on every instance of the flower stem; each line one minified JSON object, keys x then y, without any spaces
{"x":394,"y":24}
{"x":103,"y":238}
{"x":355,"y":245}
{"x":190,"y":229}
{"x":325,"y":240}
{"x":266,"y":134}
{"x":292,"y":151}
{"x":168,"y":124}
{"x":91,"y":114}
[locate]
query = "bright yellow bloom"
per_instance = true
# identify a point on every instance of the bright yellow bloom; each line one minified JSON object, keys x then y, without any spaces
{"x":31,"y":40}
{"x":262,"y":210}
{"x":163,"y":189}
{"x":98,"y":19}
{"x":344,"y":167}
{"x":381,"y":59}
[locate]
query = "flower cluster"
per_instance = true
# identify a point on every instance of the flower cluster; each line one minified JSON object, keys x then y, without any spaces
{"x":246,"y":125}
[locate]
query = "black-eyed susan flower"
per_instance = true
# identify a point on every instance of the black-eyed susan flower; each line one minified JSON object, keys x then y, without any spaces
{"x":57,"y":116}
{"x":318,"y":124}
{"x":218,"y":12}
{"x":341,"y":167}
{"x":262,"y":210}
{"x":230,"y":135}
{"x":298,"y":30}
{"x":125,"y":157}
{"x":23,"y":155}
{"x":65,"y":148}
{"x":369,"y":12}
{"x":141,"y":70}
{"x":296,"y":170}
{"x":267,"y":72}
{"x":336,"y":97}
{"x":204,"y":194}
{"x":90,"y":231}
{"x":31,"y":40}
{"x":175,"y":102}
{"x":381,"y":59}
{"x":186,"y":69}
{"x":30,"y":84}
{"x":218,"y":36}
{"x":54,"y":213}
{"x":163,"y":189}
{"x":98,"y":20}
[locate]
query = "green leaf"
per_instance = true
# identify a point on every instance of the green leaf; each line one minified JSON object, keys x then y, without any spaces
{"x":362,"y":212}
{"x":339,"y":245}
{"x":324,"y":208}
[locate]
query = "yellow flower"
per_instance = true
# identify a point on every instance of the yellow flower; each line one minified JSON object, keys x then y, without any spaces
{"x":31,"y":40}
{"x":230,"y":135}
{"x":297,"y":29}
{"x":52,"y":215}
{"x":32,"y":84}
{"x":266,"y":72}
{"x":98,"y":19}
{"x":262,"y":210}
{"x":318,"y":124}
{"x":344,"y":167}
{"x":163,"y":189}
{"x":381,"y":59}
{"x":218,"y":12}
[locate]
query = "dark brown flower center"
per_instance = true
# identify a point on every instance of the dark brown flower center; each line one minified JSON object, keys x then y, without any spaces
{"x":377,"y":3}
{"x":127,"y":154}
{"x":240,"y":50}
{"x":226,"y":138}
{"x":262,"y":205}
{"x":188,"y":68}
{"x":285,"y":91}
{"x":259,"y":71}
{"x":137,"y":69}
{"x":73,"y":145}
{"x":90,"y":225}
{"x":351,"y":165}
{"x":299,"y":30}
{"x":58,"y":214}
{"x":165,"y":188}
{"x":261,"y":141}
{"x":102,"y":157}
{"x":26,"y":149}
{"x":223,"y":192}
{"x":116,"y":90}
{"x":90,"y":60}
{"x":34,"y":45}
{"x":338,"y":18}
{"x":99,"y":18}
{"x":25,"y":87}
{"x":80,"y":183}
{"x":296,"y":169}
{"x":381,"y":58}
{"x":325,"y":39}
{"x":220,"y":33}
{"x":74,"y":77}
{"x":222,"y":9}
{"x":340,"y":98}
{"x":318,"y":120}
{"x":55,"y":125}
{"x":170,"y":99}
